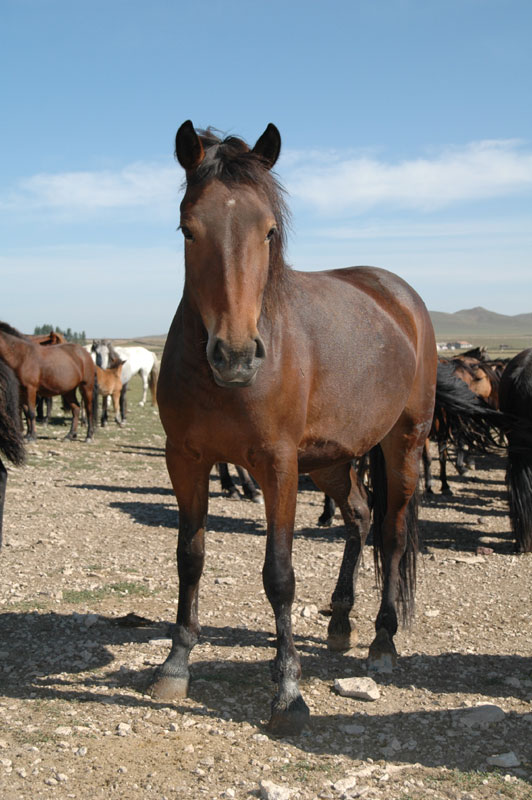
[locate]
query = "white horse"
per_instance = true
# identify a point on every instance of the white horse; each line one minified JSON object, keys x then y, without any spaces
{"x":136,"y":360}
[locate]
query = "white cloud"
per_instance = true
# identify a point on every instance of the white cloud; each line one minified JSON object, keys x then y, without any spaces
{"x":140,"y":185}
{"x":327,"y":181}
{"x":336,"y":182}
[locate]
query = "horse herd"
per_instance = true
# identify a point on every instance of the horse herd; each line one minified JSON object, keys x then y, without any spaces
{"x":285,"y":372}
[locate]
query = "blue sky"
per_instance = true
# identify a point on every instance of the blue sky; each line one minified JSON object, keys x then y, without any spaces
{"x":407,"y":144}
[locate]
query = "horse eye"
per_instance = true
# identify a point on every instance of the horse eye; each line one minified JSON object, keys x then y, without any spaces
{"x":271,"y":233}
{"x":187,"y":233}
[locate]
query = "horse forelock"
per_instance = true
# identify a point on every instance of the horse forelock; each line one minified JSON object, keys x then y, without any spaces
{"x":231,"y":161}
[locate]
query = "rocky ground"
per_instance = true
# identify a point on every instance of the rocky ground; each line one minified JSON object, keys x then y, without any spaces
{"x":89,"y":538}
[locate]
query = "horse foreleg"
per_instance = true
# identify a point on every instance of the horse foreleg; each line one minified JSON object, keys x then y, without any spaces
{"x":344,"y":485}
{"x":279,"y":485}
{"x":191,"y":486}
{"x":123,"y":402}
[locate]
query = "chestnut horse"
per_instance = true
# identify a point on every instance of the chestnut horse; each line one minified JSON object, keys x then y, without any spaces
{"x":110,"y":385}
{"x":285,"y":372}
{"x":515,"y":396}
{"x":49,"y":371}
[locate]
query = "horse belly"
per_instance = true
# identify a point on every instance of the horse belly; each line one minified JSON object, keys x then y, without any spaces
{"x":58,"y":380}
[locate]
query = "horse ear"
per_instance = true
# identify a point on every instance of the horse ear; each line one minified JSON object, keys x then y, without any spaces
{"x":188,"y":147}
{"x":268,"y":145}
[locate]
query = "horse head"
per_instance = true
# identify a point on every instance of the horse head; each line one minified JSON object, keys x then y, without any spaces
{"x":231,"y":220}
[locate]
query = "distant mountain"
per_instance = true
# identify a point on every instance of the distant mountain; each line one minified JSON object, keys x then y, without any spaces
{"x":481,"y":322}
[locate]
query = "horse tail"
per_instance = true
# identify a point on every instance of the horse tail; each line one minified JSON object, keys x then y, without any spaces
{"x":519,"y":485}
{"x":407,"y":564}
{"x":95,"y":391}
{"x":11,"y":441}
{"x":463,"y":416}
{"x":153,"y":377}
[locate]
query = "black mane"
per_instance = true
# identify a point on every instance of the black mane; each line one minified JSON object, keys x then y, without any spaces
{"x":6,"y":328}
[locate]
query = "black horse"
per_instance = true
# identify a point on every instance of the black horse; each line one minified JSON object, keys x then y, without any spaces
{"x":515,"y":397}
{"x":11,"y":441}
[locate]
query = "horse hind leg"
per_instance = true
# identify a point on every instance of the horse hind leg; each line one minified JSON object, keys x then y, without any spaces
{"x":343,"y":484}
{"x":395,"y":471}
{"x":72,"y":401}
{"x":249,"y":489}
{"x":144,"y":388}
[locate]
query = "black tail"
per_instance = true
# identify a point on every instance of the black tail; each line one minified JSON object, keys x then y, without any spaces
{"x":407,"y":565}
{"x":95,"y":391}
{"x":462,"y":416}
{"x":11,"y":441}
{"x":519,"y":484}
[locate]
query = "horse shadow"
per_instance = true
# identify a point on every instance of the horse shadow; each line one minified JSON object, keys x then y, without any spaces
{"x":241,"y":690}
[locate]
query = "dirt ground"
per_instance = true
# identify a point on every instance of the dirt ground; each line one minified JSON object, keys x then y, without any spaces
{"x":89,"y":537}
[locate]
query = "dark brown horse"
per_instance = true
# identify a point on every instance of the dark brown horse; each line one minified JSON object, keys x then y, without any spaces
{"x":285,"y":372}
{"x":515,"y":396}
{"x":49,"y":371}
{"x":11,"y":442}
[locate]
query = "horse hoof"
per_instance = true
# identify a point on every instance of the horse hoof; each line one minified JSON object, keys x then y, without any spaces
{"x":167,"y":688}
{"x":290,"y":721}
{"x":141,"y":404}
{"x":382,"y":656}
{"x":258,"y":498}
{"x":325,"y":521}
{"x":341,"y":642}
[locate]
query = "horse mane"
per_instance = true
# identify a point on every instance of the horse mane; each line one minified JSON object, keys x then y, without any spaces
{"x":231,"y":161}
{"x":6,"y":328}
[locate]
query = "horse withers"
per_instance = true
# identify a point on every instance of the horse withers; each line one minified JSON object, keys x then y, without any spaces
{"x":285,"y":372}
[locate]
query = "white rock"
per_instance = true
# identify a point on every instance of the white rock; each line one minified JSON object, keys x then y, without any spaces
{"x":309,"y":611}
{"x":344,"y":785}
{"x":123,"y":728}
{"x":63,"y":730}
{"x":482,"y":716}
{"x":361,"y":688}
{"x":272,"y":791}
{"x":504,"y":760}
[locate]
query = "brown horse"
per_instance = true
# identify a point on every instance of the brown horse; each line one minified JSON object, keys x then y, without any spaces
{"x":49,"y":371}
{"x":110,"y":385}
{"x":285,"y":372}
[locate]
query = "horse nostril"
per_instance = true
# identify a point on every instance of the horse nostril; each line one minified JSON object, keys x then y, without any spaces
{"x":260,"y":351}
{"x":218,"y":356}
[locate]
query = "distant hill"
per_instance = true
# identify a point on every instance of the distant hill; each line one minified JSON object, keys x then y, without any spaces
{"x":474,"y":322}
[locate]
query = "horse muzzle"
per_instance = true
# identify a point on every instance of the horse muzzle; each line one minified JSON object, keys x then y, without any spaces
{"x":235,"y":367}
